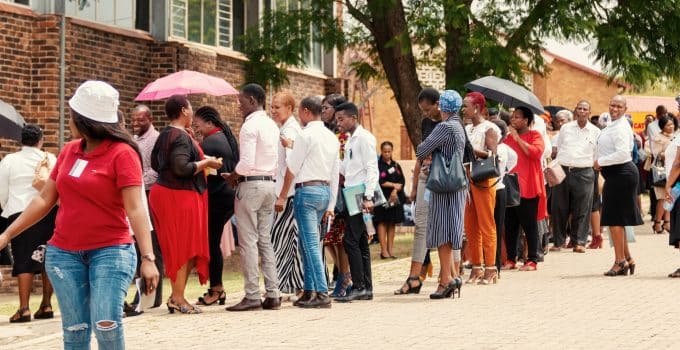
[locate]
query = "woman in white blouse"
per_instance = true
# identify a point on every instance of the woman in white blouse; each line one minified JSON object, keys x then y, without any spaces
{"x":480,"y":226}
{"x":507,"y":159}
{"x":619,"y":207}
{"x":672,"y":176}
{"x":17,"y":171}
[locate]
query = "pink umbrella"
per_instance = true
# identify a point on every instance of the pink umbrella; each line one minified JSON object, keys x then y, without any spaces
{"x":183,"y":83}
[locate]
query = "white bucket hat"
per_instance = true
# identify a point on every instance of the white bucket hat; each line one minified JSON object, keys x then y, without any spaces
{"x":96,"y":100}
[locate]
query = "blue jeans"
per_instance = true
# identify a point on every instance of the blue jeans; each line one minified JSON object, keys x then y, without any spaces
{"x":91,"y":286}
{"x":310,"y":203}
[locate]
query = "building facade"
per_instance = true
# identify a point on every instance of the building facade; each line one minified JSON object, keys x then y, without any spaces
{"x":130,"y":43}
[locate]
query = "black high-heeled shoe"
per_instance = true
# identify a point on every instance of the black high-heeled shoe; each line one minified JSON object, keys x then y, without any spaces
{"x":447,"y":291}
{"x":221,"y":299}
{"x":631,"y":265}
{"x":411,"y":289}
{"x":623,"y":270}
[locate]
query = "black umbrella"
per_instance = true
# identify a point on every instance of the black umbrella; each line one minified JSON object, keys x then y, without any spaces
{"x":11,"y":122}
{"x":506,"y":93}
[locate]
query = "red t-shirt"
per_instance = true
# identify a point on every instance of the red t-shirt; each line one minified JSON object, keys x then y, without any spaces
{"x":91,"y":213}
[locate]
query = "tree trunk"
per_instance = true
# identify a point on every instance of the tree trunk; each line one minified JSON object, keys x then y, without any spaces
{"x":392,"y":40}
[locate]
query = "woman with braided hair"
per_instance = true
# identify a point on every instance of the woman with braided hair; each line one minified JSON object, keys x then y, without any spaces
{"x":218,"y":142}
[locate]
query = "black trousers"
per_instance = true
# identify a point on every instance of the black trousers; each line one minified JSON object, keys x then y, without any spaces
{"x":159,"y":265}
{"x":216,"y":221}
{"x":573,"y":197}
{"x":499,"y":217}
{"x":358,"y":252}
{"x":524,"y":215}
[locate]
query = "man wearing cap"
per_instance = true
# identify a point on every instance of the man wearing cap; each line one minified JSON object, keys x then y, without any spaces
{"x":313,"y":163}
{"x":253,"y":178}
{"x":359,"y":166}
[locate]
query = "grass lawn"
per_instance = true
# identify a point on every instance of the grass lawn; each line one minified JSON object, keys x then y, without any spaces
{"x":233,"y":281}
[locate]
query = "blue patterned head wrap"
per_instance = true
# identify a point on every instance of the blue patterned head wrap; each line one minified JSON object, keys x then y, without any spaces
{"x":450,"y":101}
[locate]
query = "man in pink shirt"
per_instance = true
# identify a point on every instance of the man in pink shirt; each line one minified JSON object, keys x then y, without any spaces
{"x":255,"y":197}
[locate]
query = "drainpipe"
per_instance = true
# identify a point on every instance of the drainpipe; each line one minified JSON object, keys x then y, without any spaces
{"x":62,"y":75}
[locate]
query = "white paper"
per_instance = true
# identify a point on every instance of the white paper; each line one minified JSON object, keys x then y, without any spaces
{"x":145,"y":301}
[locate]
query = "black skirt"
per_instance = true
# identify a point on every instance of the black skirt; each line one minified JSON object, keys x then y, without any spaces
{"x":674,"y":237}
{"x":26,"y":243}
{"x":394,"y":214}
{"x":619,"y":195}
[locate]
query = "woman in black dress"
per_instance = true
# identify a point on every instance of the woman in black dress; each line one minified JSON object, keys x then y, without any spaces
{"x":392,"y":184}
{"x":218,"y":142}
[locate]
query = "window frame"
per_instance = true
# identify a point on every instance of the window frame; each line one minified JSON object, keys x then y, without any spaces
{"x":13,"y":2}
{"x":218,"y":27}
{"x":133,"y":18}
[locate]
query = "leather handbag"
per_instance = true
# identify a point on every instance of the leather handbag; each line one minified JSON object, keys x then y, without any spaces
{"x":658,"y":174}
{"x":511,"y":182}
{"x":484,"y":168}
{"x":554,"y":174}
{"x":446,"y":177}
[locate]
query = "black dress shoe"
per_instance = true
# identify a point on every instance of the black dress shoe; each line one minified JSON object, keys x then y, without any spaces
{"x":355,"y":294}
{"x":306,"y":296}
{"x":246,"y":305}
{"x":320,"y":300}
{"x":368,"y":295}
{"x":271,"y":303}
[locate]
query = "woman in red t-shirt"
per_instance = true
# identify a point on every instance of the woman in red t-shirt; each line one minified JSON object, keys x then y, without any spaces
{"x":528,"y":144}
{"x":90,"y":259}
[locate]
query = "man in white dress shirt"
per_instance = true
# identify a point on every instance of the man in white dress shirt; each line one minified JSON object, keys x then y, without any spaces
{"x":576,"y":147}
{"x":359,"y":166}
{"x":254,"y":203}
{"x":314,"y":164}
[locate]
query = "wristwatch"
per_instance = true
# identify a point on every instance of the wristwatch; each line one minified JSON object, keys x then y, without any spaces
{"x":149,"y":257}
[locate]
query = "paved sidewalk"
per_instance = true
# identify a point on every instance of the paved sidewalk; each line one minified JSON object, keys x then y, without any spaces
{"x":566,"y":304}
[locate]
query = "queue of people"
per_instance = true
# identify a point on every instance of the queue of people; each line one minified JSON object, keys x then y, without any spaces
{"x":298,"y":188}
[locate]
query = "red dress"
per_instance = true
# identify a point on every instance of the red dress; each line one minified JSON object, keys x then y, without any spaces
{"x":180,"y":218}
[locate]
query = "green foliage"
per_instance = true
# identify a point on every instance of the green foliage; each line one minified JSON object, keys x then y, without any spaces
{"x":284,"y":40}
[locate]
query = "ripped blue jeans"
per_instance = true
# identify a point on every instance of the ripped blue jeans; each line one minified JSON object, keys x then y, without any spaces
{"x":91,"y":286}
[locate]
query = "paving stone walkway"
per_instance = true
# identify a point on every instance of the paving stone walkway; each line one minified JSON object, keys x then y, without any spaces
{"x":566,"y":304}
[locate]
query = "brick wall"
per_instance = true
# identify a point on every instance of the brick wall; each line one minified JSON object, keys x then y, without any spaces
{"x":565,"y":85}
{"x":128,"y":60}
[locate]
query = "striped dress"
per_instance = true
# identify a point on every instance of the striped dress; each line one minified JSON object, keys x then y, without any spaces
{"x":286,"y":249}
{"x":445,"y":215}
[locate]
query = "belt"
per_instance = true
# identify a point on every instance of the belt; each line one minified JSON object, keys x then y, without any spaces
{"x":574,"y":168}
{"x":255,"y":178}
{"x":311,"y":183}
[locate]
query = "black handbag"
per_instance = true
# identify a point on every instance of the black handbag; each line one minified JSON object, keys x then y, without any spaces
{"x":446,"y":177}
{"x":658,"y":175}
{"x":484,"y":169}
{"x":511,"y":182}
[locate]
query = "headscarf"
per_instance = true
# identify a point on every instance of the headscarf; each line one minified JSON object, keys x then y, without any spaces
{"x":450,"y":101}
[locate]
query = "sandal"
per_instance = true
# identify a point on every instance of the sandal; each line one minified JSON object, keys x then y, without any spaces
{"x":666,"y":226}
{"x":409,"y":288}
{"x":19,"y":316}
{"x":675,"y":274}
{"x":657,"y":227}
{"x":43,"y":313}
{"x":221,"y":297}
{"x":185,"y":309}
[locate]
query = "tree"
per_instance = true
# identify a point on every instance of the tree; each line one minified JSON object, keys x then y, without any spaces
{"x":636,"y":40}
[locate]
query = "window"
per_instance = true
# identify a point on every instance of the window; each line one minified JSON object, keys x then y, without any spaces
{"x":20,"y":2}
{"x":132,"y":14}
{"x":314,"y":58}
{"x":209,"y":22}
